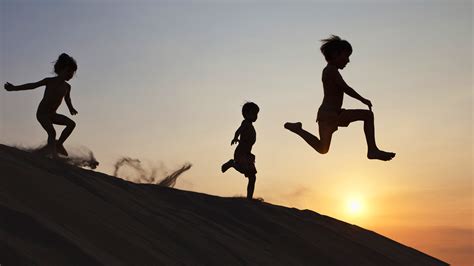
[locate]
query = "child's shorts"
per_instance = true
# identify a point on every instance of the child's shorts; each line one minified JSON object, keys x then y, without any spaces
{"x":330,"y":119}
{"x":245,"y":163}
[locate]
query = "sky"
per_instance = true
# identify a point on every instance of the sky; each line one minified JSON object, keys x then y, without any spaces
{"x":165,"y":81}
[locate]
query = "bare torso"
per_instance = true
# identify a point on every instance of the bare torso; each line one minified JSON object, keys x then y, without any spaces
{"x":248,"y":136}
{"x":333,"y":94}
{"x":54,"y":93}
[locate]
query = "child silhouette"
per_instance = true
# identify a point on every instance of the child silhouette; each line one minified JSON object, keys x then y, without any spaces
{"x":330,"y":114}
{"x":56,"y":89}
{"x":244,"y":160}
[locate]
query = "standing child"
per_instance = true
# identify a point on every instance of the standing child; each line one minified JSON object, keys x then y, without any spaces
{"x":330,"y":114}
{"x":244,"y":160}
{"x":56,"y":89}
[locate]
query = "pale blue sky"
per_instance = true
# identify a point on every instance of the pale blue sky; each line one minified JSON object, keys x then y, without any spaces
{"x":164,"y":82}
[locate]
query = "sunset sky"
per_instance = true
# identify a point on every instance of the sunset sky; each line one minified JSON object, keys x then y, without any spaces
{"x":165,"y":81}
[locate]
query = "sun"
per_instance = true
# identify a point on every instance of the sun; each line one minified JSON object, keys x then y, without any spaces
{"x":354,"y":206}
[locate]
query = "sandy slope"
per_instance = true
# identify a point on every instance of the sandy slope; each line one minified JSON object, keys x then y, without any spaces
{"x":52,"y":213}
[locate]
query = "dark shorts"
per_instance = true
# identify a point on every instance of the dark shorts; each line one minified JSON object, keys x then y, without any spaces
{"x":245,"y":163}
{"x":330,"y":119}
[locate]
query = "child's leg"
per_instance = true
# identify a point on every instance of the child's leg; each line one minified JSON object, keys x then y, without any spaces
{"x":251,"y":186}
{"x":349,"y":116}
{"x":47,"y":124}
{"x":70,"y":125}
{"x":227,"y":165}
{"x":321,"y":146}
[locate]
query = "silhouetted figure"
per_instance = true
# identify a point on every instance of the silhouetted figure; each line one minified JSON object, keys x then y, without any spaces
{"x":56,"y":89}
{"x":244,"y":160}
{"x":330,"y":114}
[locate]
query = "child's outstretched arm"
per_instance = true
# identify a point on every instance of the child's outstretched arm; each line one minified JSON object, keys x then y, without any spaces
{"x":348,"y":90}
{"x":28,"y":86}
{"x":67,"y":98}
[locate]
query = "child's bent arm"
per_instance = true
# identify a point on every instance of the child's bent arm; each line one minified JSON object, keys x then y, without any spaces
{"x":27,"y":86}
{"x":236,"y":136}
{"x":351,"y":92}
{"x":346,"y":88}
{"x":237,"y":133}
{"x":67,"y":99}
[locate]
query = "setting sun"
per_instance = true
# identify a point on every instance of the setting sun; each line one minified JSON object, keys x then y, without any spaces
{"x":354,"y":206}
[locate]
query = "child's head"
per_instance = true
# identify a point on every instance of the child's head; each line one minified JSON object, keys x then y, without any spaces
{"x":336,"y":50}
{"x":250,"y":111}
{"x":65,"y":66}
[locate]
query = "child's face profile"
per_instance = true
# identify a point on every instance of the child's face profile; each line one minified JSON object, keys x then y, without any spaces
{"x":342,"y":59}
{"x":252,"y":115}
{"x":67,"y":73}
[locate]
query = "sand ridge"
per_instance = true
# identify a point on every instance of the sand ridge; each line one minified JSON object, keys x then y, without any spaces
{"x":53,"y":213}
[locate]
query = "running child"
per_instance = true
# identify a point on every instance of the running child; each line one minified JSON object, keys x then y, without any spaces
{"x":244,"y":160}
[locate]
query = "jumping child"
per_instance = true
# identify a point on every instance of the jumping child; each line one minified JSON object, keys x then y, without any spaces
{"x":330,"y":114}
{"x":56,"y":89}
{"x":244,"y":160}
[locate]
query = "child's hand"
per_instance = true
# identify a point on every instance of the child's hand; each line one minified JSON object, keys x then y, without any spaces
{"x":234,"y":141}
{"x":368,"y":103}
{"x":9,"y":87}
{"x":73,"y":111}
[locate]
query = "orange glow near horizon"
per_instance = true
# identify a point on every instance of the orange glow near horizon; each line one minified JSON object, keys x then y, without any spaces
{"x":355,"y":206}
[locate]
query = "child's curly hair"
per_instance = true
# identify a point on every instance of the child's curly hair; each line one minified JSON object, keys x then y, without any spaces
{"x":334,"y":45}
{"x":64,"y":61}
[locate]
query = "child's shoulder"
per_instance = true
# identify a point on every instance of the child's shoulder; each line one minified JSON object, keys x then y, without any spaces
{"x":46,"y":81}
{"x":330,"y":71}
{"x":50,"y":79}
{"x":246,"y":123}
{"x":55,"y":82}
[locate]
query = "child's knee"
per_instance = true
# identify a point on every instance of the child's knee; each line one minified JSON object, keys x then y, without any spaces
{"x":71,"y":124}
{"x":369,"y":115}
{"x":324,"y":147}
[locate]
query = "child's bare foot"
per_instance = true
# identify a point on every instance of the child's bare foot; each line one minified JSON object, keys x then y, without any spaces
{"x":227,"y":165}
{"x":293,"y":127}
{"x":380,"y":155}
{"x":60,"y":149}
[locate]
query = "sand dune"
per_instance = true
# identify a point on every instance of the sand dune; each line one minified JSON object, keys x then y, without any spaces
{"x":52,"y":213}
